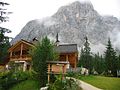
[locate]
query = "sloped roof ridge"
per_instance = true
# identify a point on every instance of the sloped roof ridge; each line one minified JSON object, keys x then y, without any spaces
{"x":27,"y":41}
{"x":67,"y":44}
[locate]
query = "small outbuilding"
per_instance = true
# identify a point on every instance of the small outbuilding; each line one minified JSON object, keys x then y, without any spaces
{"x":57,"y":67}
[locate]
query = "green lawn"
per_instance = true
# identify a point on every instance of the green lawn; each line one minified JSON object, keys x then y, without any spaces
{"x":106,"y":83}
{"x":27,"y":85}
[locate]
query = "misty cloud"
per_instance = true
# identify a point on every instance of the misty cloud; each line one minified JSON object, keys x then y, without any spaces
{"x":97,"y":48}
{"x":115,"y":38}
{"x":48,"y":21}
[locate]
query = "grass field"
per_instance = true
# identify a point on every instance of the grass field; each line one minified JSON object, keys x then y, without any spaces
{"x":105,"y":83}
{"x":27,"y":85}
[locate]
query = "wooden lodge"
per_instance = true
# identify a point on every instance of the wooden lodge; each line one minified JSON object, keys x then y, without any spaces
{"x":18,"y":53}
{"x":68,"y":52}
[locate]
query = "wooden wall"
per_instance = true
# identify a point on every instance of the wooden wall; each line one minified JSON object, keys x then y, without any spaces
{"x":71,"y":57}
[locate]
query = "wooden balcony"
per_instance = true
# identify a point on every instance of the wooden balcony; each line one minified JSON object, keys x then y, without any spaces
{"x":20,"y":58}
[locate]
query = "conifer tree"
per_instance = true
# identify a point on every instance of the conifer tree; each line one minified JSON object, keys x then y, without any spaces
{"x":99,"y":63}
{"x":118,"y":63}
{"x":4,"y":40}
{"x":3,"y":12}
{"x":4,"y":44}
{"x":42,"y":52}
{"x":85,"y":57}
{"x":81,"y":61}
{"x":110,"y":59}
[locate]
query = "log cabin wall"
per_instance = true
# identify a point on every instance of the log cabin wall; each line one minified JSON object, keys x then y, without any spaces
{"x":71,"y":57}
{"x":68,"y":52}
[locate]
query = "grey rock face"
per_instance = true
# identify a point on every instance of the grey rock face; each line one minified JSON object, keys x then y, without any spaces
{"x":73,"y":22}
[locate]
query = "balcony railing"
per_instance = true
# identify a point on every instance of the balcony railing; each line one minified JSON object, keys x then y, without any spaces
{"x":22,"y":57}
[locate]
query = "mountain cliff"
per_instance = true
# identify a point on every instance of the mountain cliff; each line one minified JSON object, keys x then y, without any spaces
{"x":73,"y":22}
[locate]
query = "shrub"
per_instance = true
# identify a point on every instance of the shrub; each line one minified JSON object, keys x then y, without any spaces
{"x":6,"y":80}
{"x":66,"y":84}
{"x":10,"y":78}
{"x":73,"y":74}
{"x":70,"y":74}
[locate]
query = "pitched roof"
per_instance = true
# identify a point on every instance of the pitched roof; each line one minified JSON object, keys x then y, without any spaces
{"x":66,"y":48}
{"x":19,"y":42}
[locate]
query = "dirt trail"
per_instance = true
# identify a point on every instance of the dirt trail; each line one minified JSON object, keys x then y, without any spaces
{"x":85,"y":86}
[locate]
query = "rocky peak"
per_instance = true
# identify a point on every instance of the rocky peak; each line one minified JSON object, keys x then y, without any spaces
{"x":74,"y":10}
{"x":73,"y":22}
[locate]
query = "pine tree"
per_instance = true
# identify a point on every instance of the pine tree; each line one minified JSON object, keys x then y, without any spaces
{"x":99,"y":63}
{"x":111,"y":59}
{"x":3,"y":12}
{"x":85,"y":57}
{"x":4,"y":44}
{"x":42,"y":52}
{"x":118,"y":63}
{"x":4,"y":40}
{"x":81,"y":61}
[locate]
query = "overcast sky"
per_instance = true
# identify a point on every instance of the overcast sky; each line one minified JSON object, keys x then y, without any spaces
{"x":26,"y":10}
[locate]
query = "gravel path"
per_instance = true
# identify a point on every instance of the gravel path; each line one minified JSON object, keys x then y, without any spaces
{"x":85,"y":86}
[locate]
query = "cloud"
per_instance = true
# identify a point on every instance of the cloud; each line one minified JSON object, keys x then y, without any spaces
{"x":47,"y":21}
{"x":98,"y":48}
{"x":115,"y":38}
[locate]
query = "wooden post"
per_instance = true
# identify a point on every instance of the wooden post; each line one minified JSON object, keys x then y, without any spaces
{"x":63,"y":71}
{"x":66,"y":57}
{"x":10,"y":54}
{"x":24,"y":66}
{"x":75,"y":64}
{"x":76,"y":58}
{"x":49,"y":72}
{"x":21,"y":49}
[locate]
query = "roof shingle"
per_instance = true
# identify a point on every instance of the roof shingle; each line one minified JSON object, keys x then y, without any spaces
{"x":66,"y":48}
